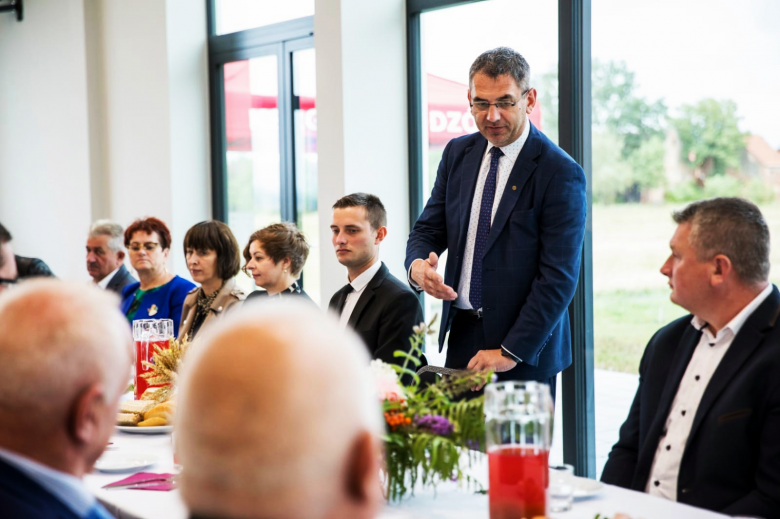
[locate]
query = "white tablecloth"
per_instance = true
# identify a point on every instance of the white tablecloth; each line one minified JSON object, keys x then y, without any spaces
{"x":448,"y":502}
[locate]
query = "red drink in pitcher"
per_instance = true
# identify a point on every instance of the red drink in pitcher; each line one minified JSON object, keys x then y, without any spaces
{"x":148,"y":333}
{"x":144,"y":351}
{"x":518,"y":428}
{"x":518,"y":482}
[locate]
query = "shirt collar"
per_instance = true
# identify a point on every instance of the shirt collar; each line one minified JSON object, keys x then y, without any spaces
{"x":513,"y":149}
{"x":360,"y":282}
{"x":736,"y":323}
{"x":69,"y":489}
{"x":103,"y":283}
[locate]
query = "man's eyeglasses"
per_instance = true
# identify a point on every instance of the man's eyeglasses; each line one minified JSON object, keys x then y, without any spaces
{"x":148,"y":246}
{"x":484,"y":106}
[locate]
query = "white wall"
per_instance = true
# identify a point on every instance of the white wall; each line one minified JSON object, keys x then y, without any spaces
{"x":44,"y":142}
{"x":362,"y":119}
{"x":103,"y":114}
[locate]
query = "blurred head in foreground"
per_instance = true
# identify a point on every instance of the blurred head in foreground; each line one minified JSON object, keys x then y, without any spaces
{"x":65,"y":355}
{"x":279,"y":420}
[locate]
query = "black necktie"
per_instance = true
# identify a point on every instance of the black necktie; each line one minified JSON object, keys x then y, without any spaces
{"x":343,"y":293}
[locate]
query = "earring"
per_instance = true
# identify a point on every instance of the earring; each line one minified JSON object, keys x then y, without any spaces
{"x":285,"y":271}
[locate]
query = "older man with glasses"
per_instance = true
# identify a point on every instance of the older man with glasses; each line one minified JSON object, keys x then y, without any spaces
{"x":509,"y":206}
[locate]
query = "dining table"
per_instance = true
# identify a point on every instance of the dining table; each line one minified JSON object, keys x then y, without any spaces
{"x":449,"y":500}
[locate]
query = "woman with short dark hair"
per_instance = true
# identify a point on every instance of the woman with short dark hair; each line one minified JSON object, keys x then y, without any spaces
{"x":275,"y":256}
{"x":213,"y":260}
{"x":159,"y":294}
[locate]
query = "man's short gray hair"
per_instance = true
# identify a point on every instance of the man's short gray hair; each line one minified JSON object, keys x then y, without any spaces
{"x":501,"y":61}
{"x":113,"y":230}
{"x":733,"y":227}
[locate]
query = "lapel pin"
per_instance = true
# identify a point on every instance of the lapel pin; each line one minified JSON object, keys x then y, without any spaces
{"x":514,"y":188}
{"x":152,"y":310}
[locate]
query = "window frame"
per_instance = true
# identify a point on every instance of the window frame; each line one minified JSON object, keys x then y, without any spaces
{"x":279,"y":39}
{"x":574,"y":120}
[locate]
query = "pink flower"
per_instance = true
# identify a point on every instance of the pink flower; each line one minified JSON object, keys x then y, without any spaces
{"x":386,"y":381}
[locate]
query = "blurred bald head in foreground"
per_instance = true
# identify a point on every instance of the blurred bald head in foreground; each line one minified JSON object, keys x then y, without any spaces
{"x":65,"y":355}
{"x":279,"y":420}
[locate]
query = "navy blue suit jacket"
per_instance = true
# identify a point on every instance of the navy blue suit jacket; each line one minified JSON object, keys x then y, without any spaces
{"x":23,"y":498}
{"x":532,"y":259}
{"x":120,"y":280}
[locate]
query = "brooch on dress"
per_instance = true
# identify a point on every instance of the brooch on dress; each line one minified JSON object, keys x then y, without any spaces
{"x":152,"y":310}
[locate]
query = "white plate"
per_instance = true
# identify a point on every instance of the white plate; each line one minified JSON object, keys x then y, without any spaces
{"x":585,"y":488}
{"x":133,"y":429}
{"x":124,"y":462}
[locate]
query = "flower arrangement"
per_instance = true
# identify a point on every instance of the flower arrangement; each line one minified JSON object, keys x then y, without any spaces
{"x":427,"y":427}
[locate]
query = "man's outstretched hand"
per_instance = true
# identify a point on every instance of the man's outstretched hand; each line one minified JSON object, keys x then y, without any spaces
{"x":424,"y":274}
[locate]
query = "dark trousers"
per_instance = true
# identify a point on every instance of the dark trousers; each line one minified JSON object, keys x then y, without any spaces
{"x":467,"y":337}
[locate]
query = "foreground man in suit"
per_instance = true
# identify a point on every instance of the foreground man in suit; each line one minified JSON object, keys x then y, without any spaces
{"x":106,"y":256}
{"x":509,"y":207}
{"x":382,"y":309}
{"x":66,"y":355}
{"x":705,"y":422}
{"x":279,"y":420}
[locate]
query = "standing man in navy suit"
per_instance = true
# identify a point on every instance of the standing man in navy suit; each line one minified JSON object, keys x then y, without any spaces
{"x":66,"y":355}
{"x":509,"y":207}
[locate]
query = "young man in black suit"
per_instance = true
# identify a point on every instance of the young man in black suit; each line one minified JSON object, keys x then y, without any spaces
{"x":380,"y":308}
{"x":704,"y":426}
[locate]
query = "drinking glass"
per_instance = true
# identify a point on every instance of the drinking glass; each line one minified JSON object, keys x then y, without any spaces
{"x":148,"y":333}
{"x":518,"y":426}
{"x":561,"y":490}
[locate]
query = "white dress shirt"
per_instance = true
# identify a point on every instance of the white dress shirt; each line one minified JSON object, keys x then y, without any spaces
{"x":103,"y":283}
{"x":705,"y":360}
{"x":69,"y":489}
{"x":358,"y":286}
{"x":505,"y":165}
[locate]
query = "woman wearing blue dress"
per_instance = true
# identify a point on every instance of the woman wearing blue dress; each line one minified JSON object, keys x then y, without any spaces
{"x":159,"y":294}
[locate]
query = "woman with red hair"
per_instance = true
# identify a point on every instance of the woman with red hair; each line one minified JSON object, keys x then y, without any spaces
{"x":159,"y":294}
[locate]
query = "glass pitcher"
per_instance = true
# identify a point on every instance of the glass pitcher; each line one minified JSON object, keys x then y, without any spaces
{"x":518,"y":418}
{"x":148,"y":333}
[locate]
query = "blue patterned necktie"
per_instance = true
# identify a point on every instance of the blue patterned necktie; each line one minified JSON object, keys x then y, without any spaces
{"x":483,"y":229}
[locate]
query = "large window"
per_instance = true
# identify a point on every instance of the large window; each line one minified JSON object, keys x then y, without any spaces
{"x":445,"y":60}
{"x":684,"y":108}
{"x":264,"y":123}
{"x":444,"y":39}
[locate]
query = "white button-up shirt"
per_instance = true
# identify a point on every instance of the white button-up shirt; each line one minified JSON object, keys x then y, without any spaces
{"x":358,"y":286}
{"x":705,"y":360}
{"x":505,"y":165}
{"x":103,"y":283}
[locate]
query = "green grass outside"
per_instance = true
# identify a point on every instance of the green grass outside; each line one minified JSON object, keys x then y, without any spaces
{"x":630,"y":295}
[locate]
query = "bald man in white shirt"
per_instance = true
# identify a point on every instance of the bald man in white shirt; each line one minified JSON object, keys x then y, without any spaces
{"x":279,"y":420}
{"x":705,"y":422}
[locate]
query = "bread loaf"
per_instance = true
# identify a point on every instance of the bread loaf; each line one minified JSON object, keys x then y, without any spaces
{"x":135,"y":406}
{"x":128,"y":418}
